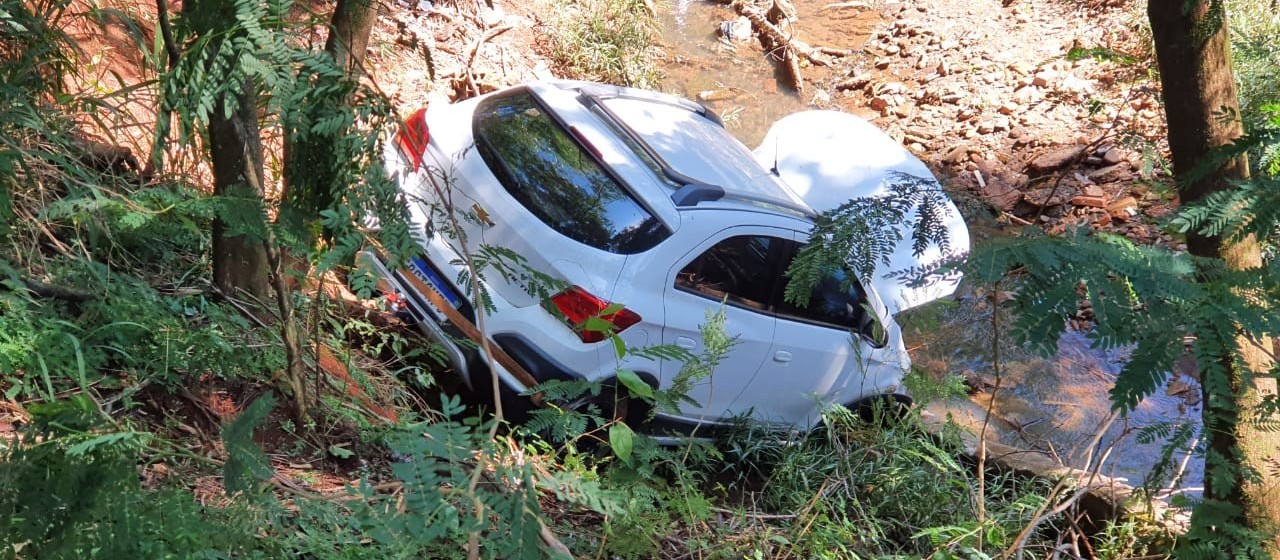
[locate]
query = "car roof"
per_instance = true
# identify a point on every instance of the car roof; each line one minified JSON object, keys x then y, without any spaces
{"x":690,"y":139}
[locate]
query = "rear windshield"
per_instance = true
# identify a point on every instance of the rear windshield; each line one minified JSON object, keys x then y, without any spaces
{"x":559,"y":181}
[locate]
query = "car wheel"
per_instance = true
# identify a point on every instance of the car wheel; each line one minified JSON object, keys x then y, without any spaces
{"x":884,"y":410}
{"x":880,"y":410}
{"x":611,"y":405}
{"x":515,"y":407}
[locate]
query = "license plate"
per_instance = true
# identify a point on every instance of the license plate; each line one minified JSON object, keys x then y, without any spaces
{"x":422,"y":271}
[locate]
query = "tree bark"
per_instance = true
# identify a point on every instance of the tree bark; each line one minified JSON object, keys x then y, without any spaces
{"x":1202,"y":110}
{"x":309,"y":160}
{"x":349,"y":33}
{"x":235,"y":147}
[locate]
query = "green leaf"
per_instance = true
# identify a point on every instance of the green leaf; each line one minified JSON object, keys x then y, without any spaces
{"x":596,"y":324}
{"x":84,"y":447}
{"x":340,"y":451}
{"x":619,"y":347}
{"x":636,"y":385}
{"x":620,"y":439}
{"x":246,"y":463}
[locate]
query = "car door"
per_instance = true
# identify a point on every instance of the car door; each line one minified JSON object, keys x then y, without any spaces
{"x":735,"y":270}
{"x":831,"y":351}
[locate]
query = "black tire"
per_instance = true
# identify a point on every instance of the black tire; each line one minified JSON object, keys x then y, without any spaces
{"x":515,"y":407}
{"x":884,"y":410}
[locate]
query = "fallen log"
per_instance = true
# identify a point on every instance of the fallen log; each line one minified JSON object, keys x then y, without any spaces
{"x":783,"y":48}
{"x":52,"y":291}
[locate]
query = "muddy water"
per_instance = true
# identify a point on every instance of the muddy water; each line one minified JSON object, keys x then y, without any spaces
{"x":1058,"y":404}
{"x":736,"y":80}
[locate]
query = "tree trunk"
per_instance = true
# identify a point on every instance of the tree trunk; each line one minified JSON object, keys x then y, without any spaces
{"x":1199,"y":89}
{"x":310,"y":167}
{"x":235,"y":147}
{"x":349,"y":33}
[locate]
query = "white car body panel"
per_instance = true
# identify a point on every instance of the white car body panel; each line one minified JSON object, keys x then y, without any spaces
{"x":779,"y":375}
{"x":829,"y":158}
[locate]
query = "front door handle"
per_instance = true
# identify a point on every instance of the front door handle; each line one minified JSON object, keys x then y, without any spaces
{"x":782,"y":356}
{"x":685,"y":342}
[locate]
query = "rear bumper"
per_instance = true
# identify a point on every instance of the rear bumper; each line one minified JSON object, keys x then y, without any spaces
{"x":460,"y":352}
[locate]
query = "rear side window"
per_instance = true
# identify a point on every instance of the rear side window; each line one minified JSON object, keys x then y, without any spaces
{"x":740,"y":269}
{"x":554,"y":177}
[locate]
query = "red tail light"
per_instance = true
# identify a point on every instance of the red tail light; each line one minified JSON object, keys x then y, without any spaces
{"x":578,"y":307}
{"x":413,"y":136}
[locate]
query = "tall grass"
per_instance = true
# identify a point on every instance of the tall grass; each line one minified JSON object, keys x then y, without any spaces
{"x":610,"y":41}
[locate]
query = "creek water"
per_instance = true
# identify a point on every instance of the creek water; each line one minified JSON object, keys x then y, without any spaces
{"x":736,"y":80}
{"x":1057,"y":404}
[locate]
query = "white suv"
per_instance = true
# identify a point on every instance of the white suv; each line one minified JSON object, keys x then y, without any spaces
{"x":645,"y":199}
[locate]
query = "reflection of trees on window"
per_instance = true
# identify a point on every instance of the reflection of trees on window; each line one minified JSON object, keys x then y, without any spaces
{"x":545,"y":169}
{"x":835,"y":300}
{"x":746,"y":270}
{"x":742,"y":268}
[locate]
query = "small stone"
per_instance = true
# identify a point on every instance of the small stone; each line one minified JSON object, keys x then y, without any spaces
{"x":1022,"y":68}
{"x":1001,"y":195}
{"x":880,"y":104}
{"x":857,"y":81}
{"x":986,"y":127}
{"x":736,"y":31}
{"x":1111,"y":173}
{"x":1054,"y":159}
{"x":722,"y":94}
{"x":1041,"y":197}
{"x":1008,"y":108}
{"x":1043,"y":78}
{"x":957,"y":154}
{"x":1027,"y":95}
{"x":893,"y":87}
{"x":1123,"y":209}
{"x":1073,"y":84}
{"x":1113,"y":156}
{"x":1089,"y":201}
{"x":1092,"y":190}
{"x":882,"y":63}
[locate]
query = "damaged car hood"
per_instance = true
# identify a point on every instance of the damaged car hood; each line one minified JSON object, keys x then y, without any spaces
{"x":829,"y":158}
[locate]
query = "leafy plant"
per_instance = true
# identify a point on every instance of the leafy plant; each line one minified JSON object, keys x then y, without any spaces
{"x":609,"y":41}
{"x":70,"y":490}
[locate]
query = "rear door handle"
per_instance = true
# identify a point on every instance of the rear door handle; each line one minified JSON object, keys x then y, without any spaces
{"x":782,"y":356}
{"x":685,"y":342}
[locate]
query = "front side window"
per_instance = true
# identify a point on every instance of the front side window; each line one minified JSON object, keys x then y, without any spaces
{"x":837,"y":300}
{"x":556,"y":179}
{"x":741,"y":270}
